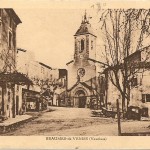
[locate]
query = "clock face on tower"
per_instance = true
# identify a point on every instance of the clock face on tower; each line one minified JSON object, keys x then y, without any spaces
{"x":81,"y":72}
{"x":81,"y":56}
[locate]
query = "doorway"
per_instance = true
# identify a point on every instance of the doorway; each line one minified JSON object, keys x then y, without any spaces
{"x":17,"y":105}
{"x":81,"y":99}
{"x":82,"y":102}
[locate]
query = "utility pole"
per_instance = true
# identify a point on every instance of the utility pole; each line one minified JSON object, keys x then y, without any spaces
{"x":118,"y":117}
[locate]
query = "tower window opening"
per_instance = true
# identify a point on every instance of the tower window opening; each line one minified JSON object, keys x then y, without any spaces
{"x":82,"y":45}
{"x":10,"y":22}
{"x":91,"y":44}
{"x":10,"y":39}
{"x":79,"y":46}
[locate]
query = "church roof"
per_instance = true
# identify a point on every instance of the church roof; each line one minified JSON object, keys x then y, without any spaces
{"x":85,"y":27}
{"x":82,"y":83}
{"x":13,"y":14}
{"x":69,"y":62}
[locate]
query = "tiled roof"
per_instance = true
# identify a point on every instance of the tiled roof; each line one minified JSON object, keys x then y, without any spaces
{"x":138,"y":51}
{"x":85,"y":28}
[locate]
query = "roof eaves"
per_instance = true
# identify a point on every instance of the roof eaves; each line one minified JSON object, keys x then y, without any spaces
{"x":69,"y":62}
{"x":87,"y":86}
{"x":84,"y":34}
{"x":138,"y":51}
{"x":45,"y":65}
{"x":13,"y":13}
{"x":73,"y":86}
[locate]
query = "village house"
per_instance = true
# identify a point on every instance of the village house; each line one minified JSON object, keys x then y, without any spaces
{"x":48,"y":83}
{"x":40,"y":75}
{"x":110,"y":92}
{"x":10,"y":79}
{"x":140,"y":85}
{"x":138,"y":65}
{"x":61,"y":89}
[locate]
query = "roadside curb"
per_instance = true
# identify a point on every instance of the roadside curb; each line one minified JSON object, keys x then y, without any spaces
{"x":13,"y":126}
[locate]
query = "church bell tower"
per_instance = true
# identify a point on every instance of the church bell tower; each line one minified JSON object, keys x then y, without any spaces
{"x":82,"y":68}
{"x":85,"y":43}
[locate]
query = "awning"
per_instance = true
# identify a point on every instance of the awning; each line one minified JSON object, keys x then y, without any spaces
{"x":16,"y":78}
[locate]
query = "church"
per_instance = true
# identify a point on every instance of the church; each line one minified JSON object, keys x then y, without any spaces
{"x":83,"y":69}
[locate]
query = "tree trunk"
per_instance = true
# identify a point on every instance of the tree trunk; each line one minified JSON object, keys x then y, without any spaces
{"x":14,"y":105}
{"x":3,"y":100}
{"x":123,"y":106}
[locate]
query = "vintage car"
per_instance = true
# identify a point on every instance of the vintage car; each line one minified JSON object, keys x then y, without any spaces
{"x":134,"y":112}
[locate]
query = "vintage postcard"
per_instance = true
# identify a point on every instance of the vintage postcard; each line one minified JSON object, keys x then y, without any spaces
{"x":74,"y":74}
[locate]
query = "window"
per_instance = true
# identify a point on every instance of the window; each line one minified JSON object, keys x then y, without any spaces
{"x":51,"y":77}
{"x":134,"y":82}
{"x":8,"y":96}
{"x":81,"y":72}
{"x":10,"y":22}
{"x":79,"y":46}
{"x":82,"y":45}
{"x":10,"y":39}
{"x":17,"y":87}
{"x":145,"y":98}
{"x":91,"y":44}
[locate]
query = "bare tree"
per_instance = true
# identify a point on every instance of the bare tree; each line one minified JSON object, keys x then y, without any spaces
{"x":124,"y":31}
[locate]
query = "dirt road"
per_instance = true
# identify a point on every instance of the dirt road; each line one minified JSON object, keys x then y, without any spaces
{"x":75,"y":122}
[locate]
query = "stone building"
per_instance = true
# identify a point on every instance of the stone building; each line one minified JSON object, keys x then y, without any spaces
{"x":138,"y":65}
{"x":10,"y":104}
{"x":82,"y":70}
{"x":61,"y":88}
{"x":140,"y":85}
{"x":40,"y":75}
{"x":48,"y":82}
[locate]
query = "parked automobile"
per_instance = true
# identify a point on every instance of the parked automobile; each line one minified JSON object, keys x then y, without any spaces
{"x":134,"y":112}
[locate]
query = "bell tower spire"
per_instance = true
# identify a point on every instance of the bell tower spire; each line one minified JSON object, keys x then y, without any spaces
{"x":85,"y":20}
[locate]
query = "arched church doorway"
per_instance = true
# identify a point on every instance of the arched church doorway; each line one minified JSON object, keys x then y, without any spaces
{"x":81,"y":98}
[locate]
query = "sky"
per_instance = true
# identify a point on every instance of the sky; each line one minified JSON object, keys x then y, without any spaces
{"x":48,"y":33}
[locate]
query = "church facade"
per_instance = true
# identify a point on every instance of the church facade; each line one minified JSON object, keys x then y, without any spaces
{"x":82,"y":70}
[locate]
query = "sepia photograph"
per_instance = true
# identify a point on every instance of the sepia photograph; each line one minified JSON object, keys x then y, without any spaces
{"x":75,"y":71}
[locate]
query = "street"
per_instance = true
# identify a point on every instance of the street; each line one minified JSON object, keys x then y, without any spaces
{"x":62,"y":121}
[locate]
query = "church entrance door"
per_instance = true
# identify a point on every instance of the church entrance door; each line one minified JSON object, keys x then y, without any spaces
{"x":81,"y":99}
{"x":82,"y":102}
